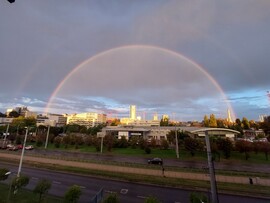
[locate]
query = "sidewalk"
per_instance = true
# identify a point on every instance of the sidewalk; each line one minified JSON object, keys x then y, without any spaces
{"x":150,"y":172}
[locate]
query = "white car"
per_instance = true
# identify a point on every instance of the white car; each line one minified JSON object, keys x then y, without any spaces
{"x":29,"y":147}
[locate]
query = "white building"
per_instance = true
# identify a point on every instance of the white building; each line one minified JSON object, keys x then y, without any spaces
{"x":52,"y":120}
{"x":86,"y":119}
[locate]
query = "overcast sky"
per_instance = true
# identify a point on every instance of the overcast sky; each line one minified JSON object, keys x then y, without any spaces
{"x":185,"y":58}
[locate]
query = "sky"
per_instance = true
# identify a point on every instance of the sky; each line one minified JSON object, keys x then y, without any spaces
{"x":185,"y":58}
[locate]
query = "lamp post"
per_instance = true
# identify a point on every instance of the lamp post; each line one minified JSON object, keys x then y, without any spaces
{"x":211,"y":170}
{"x":5,"y":138}
{"x":22,"y":154}
{"x":176,"y":144}
{"x":47,"y":137}
{"x":9,"y":191}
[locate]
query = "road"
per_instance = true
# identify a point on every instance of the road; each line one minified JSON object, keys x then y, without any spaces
{"x":224,"y":165}
{"x":127,"y":191}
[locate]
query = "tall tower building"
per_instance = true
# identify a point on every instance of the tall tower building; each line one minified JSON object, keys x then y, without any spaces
{"x":229,"y":118}
{"x":132,"y":112}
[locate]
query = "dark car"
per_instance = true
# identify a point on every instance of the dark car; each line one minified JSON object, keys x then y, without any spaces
{"x":158,"y":161}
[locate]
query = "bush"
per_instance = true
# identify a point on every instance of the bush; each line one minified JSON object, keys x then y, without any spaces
{"x":112,"y":198}
{"x":73,"y":194}
{"x":147,"y":150}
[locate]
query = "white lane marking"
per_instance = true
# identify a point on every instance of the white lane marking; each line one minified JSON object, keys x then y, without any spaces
{"x":56,"y":182}
{"x":143,"y":197}
{"x":108,"y":191}
{"x":124,"y":191}
{"x":82,"y":187}
{"x":34,"y":178}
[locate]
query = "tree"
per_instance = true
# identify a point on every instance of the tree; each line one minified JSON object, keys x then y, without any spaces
{"x":206,"y":121}
{"x":111,"y":198}
{"x":42,"y":188}
{"x":73,"y":194}
{"x":244,"y":147}
{"x":164,"y":144}
{"x":226,"y":146}
{"x":3,"y":172}
{"x":265,"y":148}
{"x":109,"y":142}
{"x":212,"y":121}
{"x":151,"y":199}
{"x":164,"y":122}
{"x":19,"y":182}
{"x":198,"y":198}
{"x":192,"y":145}
{"x":134,"y":141}
{"x":57,"y":141}
{"x":122,"y":143}
{"x":13,"y":114}
{"x":245,"y":123}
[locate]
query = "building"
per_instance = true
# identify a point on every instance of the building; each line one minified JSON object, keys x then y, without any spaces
{"x":158,"y":133}
{"x":132,"y":112}
{"x":87,"y":119}
{"x":55,"y":120}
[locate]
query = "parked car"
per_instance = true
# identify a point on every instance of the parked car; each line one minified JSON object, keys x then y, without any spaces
{"x":29,"y":147}
{"x":20,"y":146}
{"x":14,"y":148}
{"x":158,"y":161}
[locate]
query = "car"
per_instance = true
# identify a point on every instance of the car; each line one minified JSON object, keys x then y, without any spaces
{"x":20,"y":146}
{"x":158,"y":161}
{"x":14,"y":148}
{"x":29,"y":147}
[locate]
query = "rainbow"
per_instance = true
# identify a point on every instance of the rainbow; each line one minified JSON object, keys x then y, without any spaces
{"x":129,"y":47}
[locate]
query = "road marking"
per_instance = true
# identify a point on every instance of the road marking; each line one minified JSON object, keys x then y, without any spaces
{"x":124,"y":191}
{"x":82,"y":187}
{"x":56,"y":182}
{"x":143,"y":197}
{"x":108,"y":191}
{"x":34,"y":178}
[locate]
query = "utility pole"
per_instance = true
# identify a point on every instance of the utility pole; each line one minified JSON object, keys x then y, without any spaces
{"x":211,"y":170}
{"x":5,"y":138}
{"x":47,"y":137}
{"x":22,"y":154}
{"x":176,"y":144}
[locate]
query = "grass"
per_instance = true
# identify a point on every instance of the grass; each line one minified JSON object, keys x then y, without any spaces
{"x":24,"y":196}
{"x":169,"y":153}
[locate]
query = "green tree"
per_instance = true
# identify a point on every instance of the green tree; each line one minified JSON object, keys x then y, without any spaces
{"x":122,"y":143}
{"x":151,"y":199}
{"x":134,"y":141}
{"x":164,"y":144}
{"x":212,"y":121}
{"x":226,"y":146}
{"x":164,"y":122}
{"x":244,"y":147}
{"x":3,"y":172}
{"x":195,"y":197}
{"x":265,"y":148}
{"x":245,"y":123}
{"x":57,"y":141}
{"x":42,"y":188}
{"x":192,"y":145}
{"x":111,"y":198}
{"x":19,"y":182}
{"x":73,"y":194}
{"x":108,"y":142}
{"x":206,"y":121}
{"x":13,"y":114}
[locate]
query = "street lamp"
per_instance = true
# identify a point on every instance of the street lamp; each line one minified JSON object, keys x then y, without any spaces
{"x":211,"y":170}
{"x":5,"y":138}
{"x":22,"y":154}
{"x":47,"y":137}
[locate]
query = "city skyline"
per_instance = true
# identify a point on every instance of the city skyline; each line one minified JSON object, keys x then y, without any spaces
{"x":181,"y":58}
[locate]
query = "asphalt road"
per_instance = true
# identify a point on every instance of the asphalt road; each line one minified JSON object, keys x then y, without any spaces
{"x":259,"y":168}
{"x":127,"y":191}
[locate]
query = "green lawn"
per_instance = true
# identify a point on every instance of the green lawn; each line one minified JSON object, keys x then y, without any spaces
{"x":169,"y":153}
{"x":24,"y":196}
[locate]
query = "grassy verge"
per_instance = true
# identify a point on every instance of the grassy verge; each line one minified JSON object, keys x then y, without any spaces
{"x":24,"y":196}
{"x":242,"y":189}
